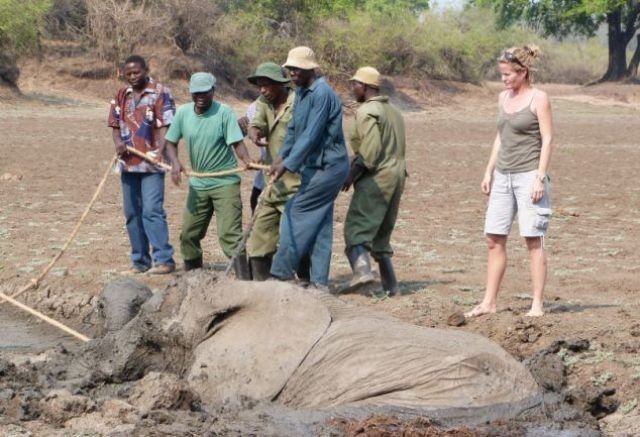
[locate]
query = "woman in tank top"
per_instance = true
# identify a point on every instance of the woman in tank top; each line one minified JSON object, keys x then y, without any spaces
{"x":516,"y":178}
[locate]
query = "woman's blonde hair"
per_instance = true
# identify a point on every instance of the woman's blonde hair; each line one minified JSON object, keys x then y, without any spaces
{"x":521,"y":58}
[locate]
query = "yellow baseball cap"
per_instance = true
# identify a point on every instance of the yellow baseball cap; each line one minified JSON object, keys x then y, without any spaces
{"x":368,"y":76}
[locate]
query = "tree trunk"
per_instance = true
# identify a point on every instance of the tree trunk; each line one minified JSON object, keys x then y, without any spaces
{"x":632,"y":71}
{"x":9,"y":72}
{"x":617,"y":68}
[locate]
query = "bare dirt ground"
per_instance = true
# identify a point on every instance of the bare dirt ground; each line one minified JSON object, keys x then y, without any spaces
{"x":56,"y":147}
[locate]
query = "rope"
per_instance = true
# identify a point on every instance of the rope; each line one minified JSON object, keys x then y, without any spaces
{"x":36,"y":281}
{"x":33,"y":283}
{"x":194,"y":174}
{"x":39,"y":315}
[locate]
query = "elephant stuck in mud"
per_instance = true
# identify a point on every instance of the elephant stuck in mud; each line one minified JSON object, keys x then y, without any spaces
{"x":238,"y":343}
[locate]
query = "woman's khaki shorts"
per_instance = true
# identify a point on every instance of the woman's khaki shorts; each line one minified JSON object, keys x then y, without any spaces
{"x":511,"y":194}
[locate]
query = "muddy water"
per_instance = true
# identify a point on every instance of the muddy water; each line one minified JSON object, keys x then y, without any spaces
{"x":21,"y":332}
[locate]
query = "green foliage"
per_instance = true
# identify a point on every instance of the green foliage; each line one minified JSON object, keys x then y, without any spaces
{"x":571,"y":62}
{"x":551,"y":17}
{"x":21,"y":22}
{"x":578,"y":17}
{"x":457,"y":45}
{"x":310,"y":11}
{"x":581,"y":61}
{"x":386,"y":6}
{"x":401,"y":37}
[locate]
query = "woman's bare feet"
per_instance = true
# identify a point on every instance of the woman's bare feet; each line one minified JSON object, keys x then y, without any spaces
{"x":481,"y":310}
{"x":536,"y":310}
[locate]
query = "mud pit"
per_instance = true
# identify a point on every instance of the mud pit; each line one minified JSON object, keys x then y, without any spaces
{"x":56,"y":149}
{"x":237,"y":352}
{"x":25,"y":334}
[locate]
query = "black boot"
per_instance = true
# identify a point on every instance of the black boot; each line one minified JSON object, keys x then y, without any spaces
{"x":260,"y":267}
{"x":304,"y":269}
{"x":360,"y":265}
{"x":388,"y":276}
{"x":192,"y":264}
{"x":241,"y":268}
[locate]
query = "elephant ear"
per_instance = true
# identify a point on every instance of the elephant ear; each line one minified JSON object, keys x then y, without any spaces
{"x":249,"y":338}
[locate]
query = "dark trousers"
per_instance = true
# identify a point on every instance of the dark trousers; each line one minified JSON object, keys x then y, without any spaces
{"x":306,"y":227}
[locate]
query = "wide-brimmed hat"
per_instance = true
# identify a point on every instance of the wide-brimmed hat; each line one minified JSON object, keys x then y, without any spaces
{"x":368,"y":76}
{"x":201,"y":82}
{"x":269,"y":70}
{"x":301,"y":57}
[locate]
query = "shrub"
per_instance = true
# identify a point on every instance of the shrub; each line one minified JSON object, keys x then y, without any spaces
{"x":21,"y":22}
{"x":577,"y":62}
{"x":572,"y":62}
{"x":401,"y":37}
{"x":66,"y":19}
{"x":190,"y":21}
{"x":117,"y":27}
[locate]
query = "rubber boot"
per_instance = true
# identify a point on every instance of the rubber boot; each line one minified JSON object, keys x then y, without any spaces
{"x":388,"y":276}
{"x":260,"y":267}
{"x":304,"y":270}
{"x":192,"y":264}
{"x":360,"y":265}
{"x":241,"y":268}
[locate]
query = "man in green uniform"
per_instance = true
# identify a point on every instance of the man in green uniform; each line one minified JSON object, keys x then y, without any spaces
{"x":211,"y":132}
{"x":267,"y":130}
{"x":378,"y":173}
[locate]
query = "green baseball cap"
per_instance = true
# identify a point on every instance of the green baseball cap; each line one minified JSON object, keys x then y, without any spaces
{"x":271,"y":71}
{"x":201,"y":82}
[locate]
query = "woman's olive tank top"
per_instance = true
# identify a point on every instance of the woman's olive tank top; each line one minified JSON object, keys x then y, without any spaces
{"x":520,"y":140}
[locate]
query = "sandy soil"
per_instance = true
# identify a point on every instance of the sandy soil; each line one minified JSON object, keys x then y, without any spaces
{"x":56,"y":147}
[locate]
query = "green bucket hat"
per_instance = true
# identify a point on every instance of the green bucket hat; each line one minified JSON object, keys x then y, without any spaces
{"x":269,"y":70}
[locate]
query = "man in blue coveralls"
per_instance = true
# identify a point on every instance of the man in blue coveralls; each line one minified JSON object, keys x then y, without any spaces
{"x":314,"y":147}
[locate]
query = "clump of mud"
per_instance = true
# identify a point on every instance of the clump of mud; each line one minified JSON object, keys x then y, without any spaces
{"x":158,"y":368}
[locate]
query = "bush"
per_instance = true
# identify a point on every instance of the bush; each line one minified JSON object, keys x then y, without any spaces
{"x":401,"y":37}
{"x":21,"y":22}
{"x":115,"y":28}
{"x":578,"y":62}
{"x":454,"y":45}
{"x":572,"y":62}
{"x":190,"y":21}
{"x":66,"y":19}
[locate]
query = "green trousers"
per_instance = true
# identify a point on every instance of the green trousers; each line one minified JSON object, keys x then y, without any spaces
{"x":201,"y":204}
{"x":372,"y":216}
{"x":265,"y":234}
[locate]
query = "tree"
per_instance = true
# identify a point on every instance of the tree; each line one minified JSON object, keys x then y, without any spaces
{"x":580,"y":17}
{"x":21,"y":22}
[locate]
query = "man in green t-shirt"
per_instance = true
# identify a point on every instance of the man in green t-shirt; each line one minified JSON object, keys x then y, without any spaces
{"x":210,"y":131}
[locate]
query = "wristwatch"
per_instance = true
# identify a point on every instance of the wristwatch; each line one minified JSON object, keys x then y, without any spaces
{"x":541,"y":178}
